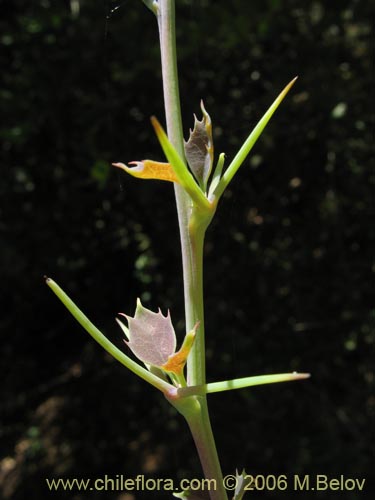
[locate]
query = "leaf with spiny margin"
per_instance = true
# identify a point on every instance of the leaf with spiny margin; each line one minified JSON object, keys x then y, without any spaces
{"x":151,"y":368}
{"x":149,"y":169}
{"x":97,"y":335}
{"x":243,"y":480}
{"x":124,"y":328}
{"x":199,"y":150}
{"x":151,"y":336}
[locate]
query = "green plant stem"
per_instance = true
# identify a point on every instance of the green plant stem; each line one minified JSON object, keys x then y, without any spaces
{"x":200,"y":428}
{"x":191,"y":235}
{"x":192,"y":230}
{"x":167,"y":33}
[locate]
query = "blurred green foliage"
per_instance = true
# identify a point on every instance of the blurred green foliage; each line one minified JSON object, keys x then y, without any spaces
{"x":289,"y":257}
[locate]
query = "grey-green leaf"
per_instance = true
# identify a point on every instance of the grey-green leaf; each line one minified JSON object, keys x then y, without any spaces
{"x":151,"y":336}
{"x":199,"y":148}
{"x":242,"y":481}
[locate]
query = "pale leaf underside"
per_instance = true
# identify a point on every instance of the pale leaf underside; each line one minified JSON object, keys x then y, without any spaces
{"x":151,"y":336}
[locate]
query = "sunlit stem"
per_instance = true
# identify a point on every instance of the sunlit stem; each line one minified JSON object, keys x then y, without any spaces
{"x":192,"y":237}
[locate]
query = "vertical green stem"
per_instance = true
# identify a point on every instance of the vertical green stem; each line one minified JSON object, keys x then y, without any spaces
{"x":167,"y":33}
{"x":197,"y":358}
{"x":192,"y":231}
{"x":191,"y":236}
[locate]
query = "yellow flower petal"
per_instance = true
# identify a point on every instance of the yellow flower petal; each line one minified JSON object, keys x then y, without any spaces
{"x":149,"y":169}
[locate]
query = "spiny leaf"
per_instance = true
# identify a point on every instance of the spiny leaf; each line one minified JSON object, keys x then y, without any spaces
{"x":151,"y":368}
{"x":199,"y":148}
{"x":243,"y":480}
{"x":149,"y":169}
{"x":124,"y":328}
{"x":151,"y":336}
{"x":97,"y":335}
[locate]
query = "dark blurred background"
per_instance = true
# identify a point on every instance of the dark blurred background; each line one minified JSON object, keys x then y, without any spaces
{"x":289,"y":258}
